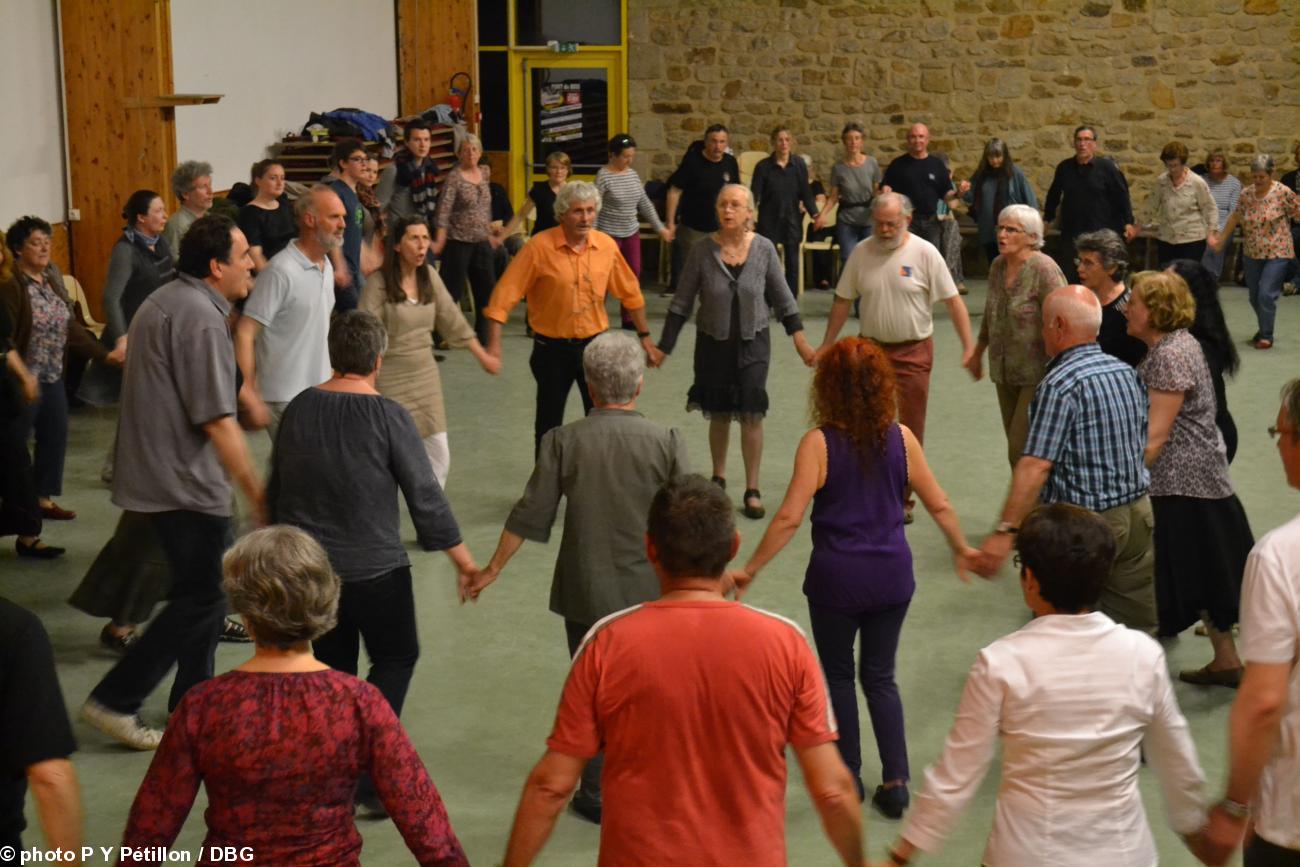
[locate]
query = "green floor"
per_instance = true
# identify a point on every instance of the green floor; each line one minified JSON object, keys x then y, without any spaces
{"x":489,"y":676}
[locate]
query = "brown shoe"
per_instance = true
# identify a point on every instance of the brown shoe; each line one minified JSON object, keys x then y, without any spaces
{"x":1230,"y":677}
{"x":52,"y":512}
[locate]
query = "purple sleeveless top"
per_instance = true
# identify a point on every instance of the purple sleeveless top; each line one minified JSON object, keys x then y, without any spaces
{"x":860,"y":558}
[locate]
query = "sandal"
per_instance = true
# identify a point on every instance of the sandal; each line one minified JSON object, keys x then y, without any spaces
{"x":719,"y":481}
{"x":753,"y":512}
{"x":234,"y":632}
{"x":1263,"y":343}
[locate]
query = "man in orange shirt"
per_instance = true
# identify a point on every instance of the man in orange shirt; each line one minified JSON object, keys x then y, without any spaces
{"x":565,"y":274}
{"x":693,"y":699}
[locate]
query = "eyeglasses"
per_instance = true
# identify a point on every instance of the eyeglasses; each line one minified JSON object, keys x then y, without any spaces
{"x":1016,"y":561}
{"x":1009,"y":230}
{"x":1086,"y":263}
{"x":1275,"y":433}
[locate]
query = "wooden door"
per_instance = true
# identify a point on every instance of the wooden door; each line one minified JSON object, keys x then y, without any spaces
{"x":114,"y":54}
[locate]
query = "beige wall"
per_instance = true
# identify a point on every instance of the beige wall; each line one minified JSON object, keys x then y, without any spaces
{"x":1028,"y":71}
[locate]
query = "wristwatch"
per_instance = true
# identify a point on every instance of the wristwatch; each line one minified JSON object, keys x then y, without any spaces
{"x":1005,"y":528}
{"x":1235,"y":809}
{"x":643,"y":334}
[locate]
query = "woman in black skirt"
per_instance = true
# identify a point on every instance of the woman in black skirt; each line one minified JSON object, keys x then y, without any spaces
{"x":1202,"y":537}
{"x":737,"y":277}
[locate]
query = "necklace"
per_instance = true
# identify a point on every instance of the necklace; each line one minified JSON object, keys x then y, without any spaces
{"x":734,"y":253}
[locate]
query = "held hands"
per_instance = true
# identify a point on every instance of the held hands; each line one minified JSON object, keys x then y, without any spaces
{"x":490,"y":363}
{"x":654,"y":356}
{"x":819,"y":222}
{"x":668,"y":233}
{"x":807,"y":353}
{"x":471,"y":584}
{"x":964,"y":562}
{"x":1130,"y":232}
{"x":973,"y":361}
{"x":1218,"y":839}
{"x":992,"y":554}
{"x":963,"y":188}
{"x":737,"y":581}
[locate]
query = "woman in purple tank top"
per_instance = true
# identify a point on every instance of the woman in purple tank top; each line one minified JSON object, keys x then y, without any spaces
{"x":855,"y":468}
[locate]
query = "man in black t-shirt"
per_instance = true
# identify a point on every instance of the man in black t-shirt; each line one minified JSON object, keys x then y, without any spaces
{"x":925,"y":180}
{"x":1092,"y":193}
{"x":704,"y":171}
{"x":35,"y":737}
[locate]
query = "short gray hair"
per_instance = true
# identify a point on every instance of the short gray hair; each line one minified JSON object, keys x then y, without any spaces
{"x":892,"y":198}
{"x":1029,"y":219}
{"x":187,"y":174}
{"x":280,"y":581}
{"x":749,"y":201}
{"x":1263,"y":163}
{"x":1107,"y":244}
{"x":572,"y":193}
{"x":614,"y":364}
{"x":307,"y":201}
{"x":468,"y":138}
{"x":356,"y":341}
{"x":1291,"y":403}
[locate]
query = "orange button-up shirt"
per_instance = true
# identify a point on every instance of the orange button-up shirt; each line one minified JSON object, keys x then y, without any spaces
{"x":565,"y":289}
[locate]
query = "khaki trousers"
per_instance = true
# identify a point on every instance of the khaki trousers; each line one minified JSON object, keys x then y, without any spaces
{"x":1129,"y":596}
{"x":1014,"y":401}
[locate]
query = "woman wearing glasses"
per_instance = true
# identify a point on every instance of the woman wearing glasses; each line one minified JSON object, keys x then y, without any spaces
{"x":1101,"y":258}
{"x":1020,"y":278}
{"x":737,"y":276}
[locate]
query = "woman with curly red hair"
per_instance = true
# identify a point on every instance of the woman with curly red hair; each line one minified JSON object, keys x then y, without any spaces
{"x":855,"y":468}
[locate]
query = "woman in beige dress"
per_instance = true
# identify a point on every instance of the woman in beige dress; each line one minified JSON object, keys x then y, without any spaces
{"x":407,"y":295}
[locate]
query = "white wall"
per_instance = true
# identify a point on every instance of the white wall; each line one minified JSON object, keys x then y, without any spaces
{"x":32,"y":180}
{"x":275,"y":62}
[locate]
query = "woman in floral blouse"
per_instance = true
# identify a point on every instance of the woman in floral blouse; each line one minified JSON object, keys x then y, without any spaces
{"x":1019,"y":279}
{"x":1263,"y":211}
{"x":464,"y":240}
{"x":280,"y":741}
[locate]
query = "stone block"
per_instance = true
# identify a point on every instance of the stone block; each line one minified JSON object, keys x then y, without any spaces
{"x":731,"y":89}
{"x":1144,"y":60}
{"x":813,"y":76}
{"x":1017,"y":27}
{"x":1225,"y":57}
{"x":936,"y":80}
{"x":1095,"y":9}
{"x":670,"y":107}
{"x":1161,"y":95}
{"x":1262,"y":7}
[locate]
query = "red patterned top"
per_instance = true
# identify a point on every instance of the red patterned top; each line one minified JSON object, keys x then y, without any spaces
{"x":280,"y":755}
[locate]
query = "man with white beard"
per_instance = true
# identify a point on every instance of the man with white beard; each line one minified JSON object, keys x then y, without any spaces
{"x":897,"y":278}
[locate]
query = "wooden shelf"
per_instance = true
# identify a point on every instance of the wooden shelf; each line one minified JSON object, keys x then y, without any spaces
{"x":171,"y":100}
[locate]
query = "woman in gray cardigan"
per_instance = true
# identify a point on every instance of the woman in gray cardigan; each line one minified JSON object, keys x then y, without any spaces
{"x":737,"y":277}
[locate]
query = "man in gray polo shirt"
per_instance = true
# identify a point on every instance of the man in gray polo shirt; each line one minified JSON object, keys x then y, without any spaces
{"x":281,"y":340}
{"x":608,"y":467}
{"x":178,"y":447}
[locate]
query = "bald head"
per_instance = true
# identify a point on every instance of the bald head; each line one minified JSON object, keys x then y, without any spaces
{"x":918,"y":140}
{"x":321,"y":220}
{"x":1071,"y":316}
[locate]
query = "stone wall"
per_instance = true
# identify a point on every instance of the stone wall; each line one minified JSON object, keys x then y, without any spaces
{"x":1206,"y":72}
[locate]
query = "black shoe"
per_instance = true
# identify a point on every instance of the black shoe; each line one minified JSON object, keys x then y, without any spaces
{"x":110,"y":640}
{"x":587,"y":807}
{"x":862,"y":790}
{"x":719,"y":481}
{"x":370,"y":806}
{"x":891,"y":802}
{"x":753,"y":512}
{"x":234,"y":632}
{"x":38,"y":550}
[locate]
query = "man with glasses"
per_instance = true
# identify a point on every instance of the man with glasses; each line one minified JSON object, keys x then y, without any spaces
{"x":347,"y":169}
{"x":1264,"y":728}
{"x":1090,"y":193}
{"x":1087,"y":436}
{"x":897,"y":278}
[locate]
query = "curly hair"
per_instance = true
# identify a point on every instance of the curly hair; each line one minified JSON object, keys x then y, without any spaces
{"x":1167,"y":297}
{"x":854,"y":392}
{"x":6,"y":261}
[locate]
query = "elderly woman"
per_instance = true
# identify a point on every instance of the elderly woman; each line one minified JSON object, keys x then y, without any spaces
{"x":997,"y":183}
{"x":373,"y":450}
{"x":1101,"y":258}
{"x":1074,"y":700}
{"x":1265,"y":211}
{"x":409,"y":298}
{"x":541,"y":198}
{"x":855,"y":468}
{"x":736,"y":275}
{"x":1182,"y":211}
{"x":267,"y":221}
{"x":1210,"y":329}
{"x":278,"y":742}
{"x":464,"y":240}
{"x":45,"y":329}
{"x":780,"y":186}
{"x":1012,"y":330}
{"x":1225,"y":189}
{"x":855,"y":181}
{"x":1202,"y":537}
{"x":192,"y":184}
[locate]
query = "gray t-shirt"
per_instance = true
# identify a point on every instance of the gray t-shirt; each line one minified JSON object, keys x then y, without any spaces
{"x":857,"y":186}
{"x":292,"y":300}
{"x":180,"y":375}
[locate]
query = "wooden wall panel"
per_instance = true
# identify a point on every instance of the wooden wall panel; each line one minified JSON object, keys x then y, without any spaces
{"x":114,"y":52}
{"x":61,"y":251}
{"x":435,"y":40}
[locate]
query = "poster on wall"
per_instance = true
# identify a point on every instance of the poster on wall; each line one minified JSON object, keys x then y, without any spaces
{"x":561,"y":118}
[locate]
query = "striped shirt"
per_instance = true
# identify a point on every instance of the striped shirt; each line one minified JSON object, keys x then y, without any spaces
{"x":1089,"y":418}
{"x":622,"y":198}
{"x":1225,"y":194}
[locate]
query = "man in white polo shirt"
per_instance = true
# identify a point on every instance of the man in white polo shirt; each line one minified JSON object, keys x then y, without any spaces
{"x":1264,"y":729}
{"x":897,"y":278}
{"x":281,"y":340}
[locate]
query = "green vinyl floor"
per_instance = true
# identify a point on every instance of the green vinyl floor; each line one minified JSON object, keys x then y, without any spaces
{"x":489,"y":675}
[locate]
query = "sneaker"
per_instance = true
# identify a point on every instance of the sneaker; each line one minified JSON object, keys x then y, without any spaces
{"x":891,"y":802}
{"x":127,"y":728}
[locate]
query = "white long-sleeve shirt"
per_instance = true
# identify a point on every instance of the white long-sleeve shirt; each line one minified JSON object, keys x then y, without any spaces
{"x":1071,"y":698}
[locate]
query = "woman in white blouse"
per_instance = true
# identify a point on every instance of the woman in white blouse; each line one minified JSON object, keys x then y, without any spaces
{"x":1074,"y":699}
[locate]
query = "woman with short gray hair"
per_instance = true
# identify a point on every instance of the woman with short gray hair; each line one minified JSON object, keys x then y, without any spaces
{"x":283,"y":736}
{"x":192,"y":184}
{"x":464,"y":239}
{"x":1101,"y":258}
{"x":1265,"y":211}
{"x":1020,"y":278}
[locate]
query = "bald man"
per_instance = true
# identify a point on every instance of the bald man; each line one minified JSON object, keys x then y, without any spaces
{"x":1087,"y":434}
{"x":924,"y":179}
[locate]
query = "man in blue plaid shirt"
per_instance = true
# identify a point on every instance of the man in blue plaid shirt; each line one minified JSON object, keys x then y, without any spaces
{"x":1087,"y":435}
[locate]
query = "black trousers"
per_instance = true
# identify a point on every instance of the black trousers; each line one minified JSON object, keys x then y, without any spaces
{"x":589,"y":788}
{"x":185,"y":633}
{"x":928,"y":228}
{"x":473,"y":262}
{"x":1166,"y":253}
{"x":20,"y":510}
{"x":380,"y":612}
{"x":556,"y":365}
{"x":1261,"y":853}
{"x":788,"y":237}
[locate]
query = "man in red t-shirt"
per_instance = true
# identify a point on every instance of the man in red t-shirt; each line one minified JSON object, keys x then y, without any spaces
{"x":693,"y":699}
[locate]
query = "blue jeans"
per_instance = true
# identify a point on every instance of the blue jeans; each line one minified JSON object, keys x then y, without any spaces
{"x":877,"y":630}
{"x":849,"y":236}
{"x":48,"y":418}
{"x":1264,"y":280}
